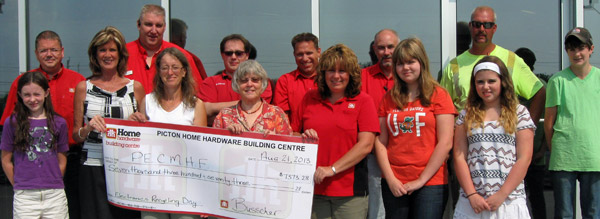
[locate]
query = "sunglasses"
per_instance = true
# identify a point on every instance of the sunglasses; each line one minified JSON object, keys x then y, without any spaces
{"x":486,"y":25}
{"x":237,"y":53}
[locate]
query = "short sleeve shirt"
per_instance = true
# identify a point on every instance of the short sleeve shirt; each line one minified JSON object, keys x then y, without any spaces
{"x":575,"y":142}
{"x":412,"y":135}
{"x":37,"y":167}
{"x":337,"y":126}
{"x":456,"y":77}
{"x":492,"y":153}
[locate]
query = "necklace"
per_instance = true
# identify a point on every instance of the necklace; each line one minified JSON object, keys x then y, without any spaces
{"x":256,"y":110}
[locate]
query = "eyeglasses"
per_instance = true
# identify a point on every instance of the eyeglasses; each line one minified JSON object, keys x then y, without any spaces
{"x":175,"y":69}
{"x":246,"y":79}
{"x":237,"y":53}
{"x":486,"y":25}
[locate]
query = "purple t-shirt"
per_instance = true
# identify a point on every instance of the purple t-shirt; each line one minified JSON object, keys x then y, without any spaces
{"x":37,"y":168}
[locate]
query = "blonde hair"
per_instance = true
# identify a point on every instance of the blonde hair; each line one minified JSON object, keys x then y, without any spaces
{"x":475,"y":106}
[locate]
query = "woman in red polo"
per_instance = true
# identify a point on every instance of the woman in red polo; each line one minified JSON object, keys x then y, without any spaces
{"x":416,"y":119}
{"x":346,"y":123}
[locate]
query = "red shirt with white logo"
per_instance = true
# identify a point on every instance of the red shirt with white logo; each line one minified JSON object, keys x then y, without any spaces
{"x":412,"y":135}
{"x":218,"y":88}
{"x":337,"y":126}
{"x":62,"y":91}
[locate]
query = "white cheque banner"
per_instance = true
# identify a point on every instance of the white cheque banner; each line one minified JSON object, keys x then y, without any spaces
{"x":193,"y":170}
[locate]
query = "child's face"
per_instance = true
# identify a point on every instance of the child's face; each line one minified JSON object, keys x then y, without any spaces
{"x":488,"y":86}
{"x":580,"y":56}
{"x":409,"y":71}
{"x":33,"y":96}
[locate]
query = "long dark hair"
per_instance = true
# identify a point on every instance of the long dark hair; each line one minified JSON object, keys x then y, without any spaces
{"x":188,"y":84}
{"x":22,"y":113}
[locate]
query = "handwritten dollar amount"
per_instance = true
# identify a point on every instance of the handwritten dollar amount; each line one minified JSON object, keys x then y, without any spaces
{"x":283,"y":158}
{"x":295,"y":177}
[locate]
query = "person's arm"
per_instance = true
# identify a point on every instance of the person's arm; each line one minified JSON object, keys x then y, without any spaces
{"x":80,"y":133}
{"x":549,"y":120}
{"x":359,"y":151}
{"x":199,"y":113}
{"x":11,"y":100}
{"x":139,"y":95}
{"x":212,"y":109}
{"x":7,"y":166}
{"x":62,"y":162}
{"x":536,"y":107}
{"x":463,"y":174}
{"x":444,"y":132}
{"x":518,"y":170}
{"x":394,"y":184}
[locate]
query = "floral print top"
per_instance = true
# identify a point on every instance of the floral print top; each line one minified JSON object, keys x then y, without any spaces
{"x":272,"y":118}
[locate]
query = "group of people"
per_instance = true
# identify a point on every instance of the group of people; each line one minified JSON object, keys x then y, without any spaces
{"x":384,"y":132}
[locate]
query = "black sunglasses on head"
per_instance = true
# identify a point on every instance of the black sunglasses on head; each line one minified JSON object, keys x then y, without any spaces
{"x":486,"y":25}
{"x":237,"y":53}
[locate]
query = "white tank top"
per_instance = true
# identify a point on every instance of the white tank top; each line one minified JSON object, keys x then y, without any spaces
{"x":181,"y":115}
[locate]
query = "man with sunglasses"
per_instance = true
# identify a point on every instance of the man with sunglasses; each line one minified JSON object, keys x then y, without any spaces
{"x":457,"y":74}
{"x":141,"y":64}
{"x":216,"y":91}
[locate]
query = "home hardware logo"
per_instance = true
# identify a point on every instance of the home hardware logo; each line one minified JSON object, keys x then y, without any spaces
{"x":122,"y":134}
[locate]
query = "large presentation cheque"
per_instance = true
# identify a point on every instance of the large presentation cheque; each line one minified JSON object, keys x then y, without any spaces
{"x":193,"y":170}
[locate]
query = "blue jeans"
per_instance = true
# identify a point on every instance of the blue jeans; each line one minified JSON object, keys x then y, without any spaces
{"x":564,"y":193}
{"x":427,"y":202}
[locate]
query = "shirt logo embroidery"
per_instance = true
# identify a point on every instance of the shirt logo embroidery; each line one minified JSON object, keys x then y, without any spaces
{"x":71,"y":90}
{"x":220,"y":83}
{"x":351,"y":106}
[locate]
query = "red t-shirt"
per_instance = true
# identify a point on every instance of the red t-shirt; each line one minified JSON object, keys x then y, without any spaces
{"x":412,"y":135}
{"x":138,"y":70}
{"x":217,"y":88}
{"x":290,"y":90}
{"x":62,"y":91}
{"x":338,"y":125}
{"x":375,"y":83}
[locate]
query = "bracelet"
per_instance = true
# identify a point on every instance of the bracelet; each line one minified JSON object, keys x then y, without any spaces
{"x":469,"y":195}
{"x":79,"y":133}
{"x":333,"y":169}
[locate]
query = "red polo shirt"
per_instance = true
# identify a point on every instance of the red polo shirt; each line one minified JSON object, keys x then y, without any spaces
{"x":290,"y":90}
{"x":217,"y":88}
{"x":338,"y":125}
{"x":375,"y":83}
{"x":62,"y":90}
{"x":138,"y":70}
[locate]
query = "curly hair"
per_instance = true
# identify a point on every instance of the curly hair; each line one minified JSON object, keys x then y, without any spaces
{"x":188,"y":84}
{"x":345,"y":57}
{"x":104,"y":36}
{"x":475,"y":106}
{"x":405,"y":51}
{"x":22,"y":112}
